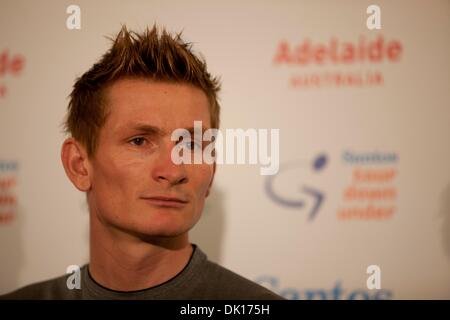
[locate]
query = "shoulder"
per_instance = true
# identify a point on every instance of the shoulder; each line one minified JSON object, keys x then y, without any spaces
{"x":226,"y":284}
{"x":55,"y":288}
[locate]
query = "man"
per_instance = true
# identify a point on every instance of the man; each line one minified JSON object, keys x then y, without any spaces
{"x":120,"y":118}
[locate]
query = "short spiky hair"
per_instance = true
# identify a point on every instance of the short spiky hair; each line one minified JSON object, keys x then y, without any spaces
{"x":150,"y":55}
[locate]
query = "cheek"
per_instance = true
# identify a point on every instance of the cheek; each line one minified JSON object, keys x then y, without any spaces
{"x":114,"y":182}
{"x":201,"y":179}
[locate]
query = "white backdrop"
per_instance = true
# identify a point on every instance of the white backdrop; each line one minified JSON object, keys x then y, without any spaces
{"x":311,"y":231}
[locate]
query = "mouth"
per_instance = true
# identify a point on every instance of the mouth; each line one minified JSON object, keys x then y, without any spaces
{"x":167,"y":202}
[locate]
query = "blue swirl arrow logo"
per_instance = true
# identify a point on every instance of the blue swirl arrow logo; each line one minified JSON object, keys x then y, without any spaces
{"x":317,"y":196}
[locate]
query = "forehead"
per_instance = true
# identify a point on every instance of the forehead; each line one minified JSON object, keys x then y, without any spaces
{"x":162,"y":104}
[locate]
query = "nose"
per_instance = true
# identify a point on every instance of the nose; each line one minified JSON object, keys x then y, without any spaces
{"x":165,"y":170}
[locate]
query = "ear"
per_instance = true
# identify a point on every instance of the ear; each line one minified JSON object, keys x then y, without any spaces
{"x":212,"y":179}
{"x":76,"y":164}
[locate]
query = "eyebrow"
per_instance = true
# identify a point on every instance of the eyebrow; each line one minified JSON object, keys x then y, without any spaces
{"x":148,"y":129}
{"x":152,"y":130}
{"x":191,"y":129}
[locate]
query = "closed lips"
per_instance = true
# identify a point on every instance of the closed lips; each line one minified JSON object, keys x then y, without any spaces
{"x":168,"y":199}
{"x":166,"y":202}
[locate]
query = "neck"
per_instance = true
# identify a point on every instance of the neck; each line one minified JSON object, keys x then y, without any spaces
{"x":124,"y":262}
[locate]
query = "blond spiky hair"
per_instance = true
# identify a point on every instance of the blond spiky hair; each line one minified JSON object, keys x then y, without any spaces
{"x":152,"y":55}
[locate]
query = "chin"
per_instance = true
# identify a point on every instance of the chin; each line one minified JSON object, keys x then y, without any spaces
{"x":165,"y":224}
{"x":161,"y":233}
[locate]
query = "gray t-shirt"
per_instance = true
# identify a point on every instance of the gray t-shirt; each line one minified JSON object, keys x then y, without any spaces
{"x":200,"y":279}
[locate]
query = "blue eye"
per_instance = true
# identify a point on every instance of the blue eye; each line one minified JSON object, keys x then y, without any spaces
{"x":192,"y":145}
{"x":138,"y":141}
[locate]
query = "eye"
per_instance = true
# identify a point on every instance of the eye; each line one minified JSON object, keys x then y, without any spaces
{"x":193,"y":145}
{"x":138,"y":141}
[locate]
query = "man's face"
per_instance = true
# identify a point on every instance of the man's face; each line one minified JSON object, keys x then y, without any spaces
{"x":132,"y":163}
